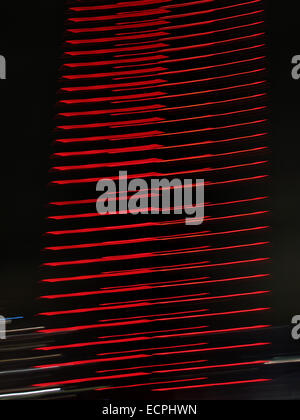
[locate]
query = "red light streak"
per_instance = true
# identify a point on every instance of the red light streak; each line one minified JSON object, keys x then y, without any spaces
{"x":158,"y":11}
{"x":231,"y":330}
{"x":252,"y":381}
{"x":153,"y":239}
{"x":137,"y":3}
{"x":137,"y":304}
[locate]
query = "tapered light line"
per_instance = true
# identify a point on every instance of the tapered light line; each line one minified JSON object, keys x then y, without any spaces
{"x":146,"y":303}
{"x":161,"y":108}
{"x":146,"y":338}
{"x":88,"y":215}
{"x":163,"y":48}
{"x":203,"y":313}
{"x":208,"y":367}
{"x":162,"y":10}
{"x":135,"y":338}
{"x":84,"y":380}
{"x":259,"y":82}
{"x":157,"y":95}
{"x":180,"y":221}
{"x":128,"y":375}
{"x":152,"y":83}
{"x":123,"y":15}
{"x":151,"y":147}
{"x":151,"y":255}
{"x":148,"y":209}
{"x":158,"y":83}
{"x":93,"y":361}
{"x":142,"y":48}
{"x":132,"y":287}
{"x":151,"y":270}
{"x":154,"y":108}
{"x":188,"y":47}
{"x":196,"y":35}
{"x":144,"y":210}
{"x":154,"y":301}
{"x":152,"y":224}
{"x":156,"y":133}
{"x":136,"y":4}
{"x":156,"y":120}
{"x":178,"y":60}
{"x":132,"y":61}
{"x":252,"y":345}
{"x":159,"y":22}
{"x":205,"y":55}
{"x":118,"y":38}
{"x":30,"y":393}
{"x":192,"y":69}
{"x":114,"y":73}
{"x":142,"y":96}
{"x":152,"y":161}
{"x":161,"y":85}
{"x":144,"y":320}
{"x":161,"y":94}
{"x":212,"y":385}
{"x":161,"y":34}
{"x":153,"y":239}
{"x":144,"y":24}
{"x":80,"y":215}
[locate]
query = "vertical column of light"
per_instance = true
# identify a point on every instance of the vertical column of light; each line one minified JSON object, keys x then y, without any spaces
{"x":161,"y":90}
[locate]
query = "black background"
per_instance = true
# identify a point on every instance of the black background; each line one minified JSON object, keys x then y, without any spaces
{"x":30,"y":39}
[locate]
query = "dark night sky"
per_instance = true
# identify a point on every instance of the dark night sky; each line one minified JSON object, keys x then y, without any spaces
{"x":29,"y":36}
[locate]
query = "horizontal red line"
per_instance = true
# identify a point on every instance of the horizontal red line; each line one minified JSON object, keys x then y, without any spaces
{"x":133,"y":61}
{"x":136,"y":3}
{"x":131,"y":110}
{"x":163,"y":95}
{"x":154,"y":133}
{"x":252,"y":381}
{"x":117,"y":38}
{"x":110,"y":86}
{"x":160,"y":83}
{"x":97,"y":343}
{"x":180,"y":95}
{"x":151,"y":270}
{"x":124,"y":340}
{"x":133,"y":304}
{"x":156,"y":33}
{"x":154,"y":147}
{"x":152,"y":161}
{"x":160,"y":47}
{"x":85,"y":362}
{"x":148,"y":209}
{"x":154,"y":302}
{"x":122,"y":15}
{"x":150,"y":224}
{"x":229,"y":365}
{"x":115,"y":50}
{"x":158,"y":107}
{"x":114,"y":73}
{"x":158,"y":11}
{"x":144,"y":24}
{"x":159,"y":22}
{"x":152,"y":239}
{"x":154,"y":120}
{"x":150,"y":255}
{"x":87,"y":215}
{"x":136,"y":96}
